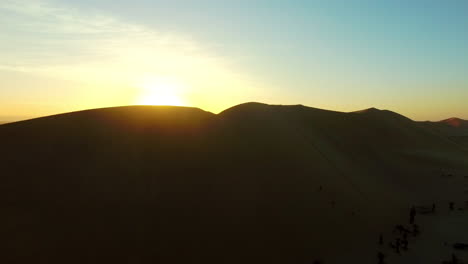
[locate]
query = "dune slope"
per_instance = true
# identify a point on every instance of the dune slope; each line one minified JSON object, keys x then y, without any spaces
{"x":455,"y":129}
{"x":254,"y":184}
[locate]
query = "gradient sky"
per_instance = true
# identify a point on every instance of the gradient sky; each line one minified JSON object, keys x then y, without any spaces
{"x":407,"y":56}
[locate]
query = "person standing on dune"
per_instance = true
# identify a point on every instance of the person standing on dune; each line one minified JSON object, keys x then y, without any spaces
{"x":397,"y":245}
{"x":381,"y":257}
{"x":412,"y":214}
{"x":415,"y":230}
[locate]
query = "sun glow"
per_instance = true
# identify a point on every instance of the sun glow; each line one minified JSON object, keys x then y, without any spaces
{"x":161,"y":91}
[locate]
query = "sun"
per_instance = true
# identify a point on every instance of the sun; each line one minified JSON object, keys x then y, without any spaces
{"x":161,"y":91}
{"x":160,"y":98}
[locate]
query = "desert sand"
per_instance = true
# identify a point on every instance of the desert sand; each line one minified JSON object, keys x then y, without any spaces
{"x":256,"y":183}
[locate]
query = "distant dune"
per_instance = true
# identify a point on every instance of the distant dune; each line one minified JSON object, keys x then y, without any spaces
{"x":455,"y":129}
{"x":456,"y":122}
{"x":256,"y":183}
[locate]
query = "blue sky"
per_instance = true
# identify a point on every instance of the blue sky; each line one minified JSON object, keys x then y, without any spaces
{"x":406,"y":56}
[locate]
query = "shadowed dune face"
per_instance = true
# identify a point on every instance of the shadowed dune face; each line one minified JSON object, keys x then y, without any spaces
{"x":255,"y":184}
{"x":455,"y":129}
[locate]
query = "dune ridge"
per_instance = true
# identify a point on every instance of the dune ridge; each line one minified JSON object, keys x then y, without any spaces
{"x":256,"y":183}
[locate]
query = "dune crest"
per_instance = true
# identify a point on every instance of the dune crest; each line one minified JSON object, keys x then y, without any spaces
{"x":256,"y":183}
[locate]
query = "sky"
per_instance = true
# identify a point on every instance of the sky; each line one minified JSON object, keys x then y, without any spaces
{"x":410,"y":57}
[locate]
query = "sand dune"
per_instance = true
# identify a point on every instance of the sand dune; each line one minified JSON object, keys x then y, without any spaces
{"x":254,"y":184}
{"x":455,"y":122}
{"x":455,"y":129}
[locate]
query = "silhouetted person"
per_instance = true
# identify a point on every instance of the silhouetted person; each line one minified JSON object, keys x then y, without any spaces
{"x":399,"y":229}
{"x":451,"y":206}
{"x":380,"y":239}
{"x":460,"y":246}
{"x":454,"y":259}
{"x":433,"y":208}
{"x":397,"y":246}
{"x":415,"y":230}
{"x":380,"y":257}
{"x":407,"y":231}
{"x":412,"y":214}
{"x":405,"y":236}
{"x":404,"y":243}
{"x":320,"y":188}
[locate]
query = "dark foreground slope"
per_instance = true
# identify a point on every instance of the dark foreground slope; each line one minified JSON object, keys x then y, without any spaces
{"x":254,"y":184}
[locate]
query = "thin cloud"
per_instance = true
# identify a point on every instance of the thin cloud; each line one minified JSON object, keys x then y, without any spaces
{"x":98,"y":49}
